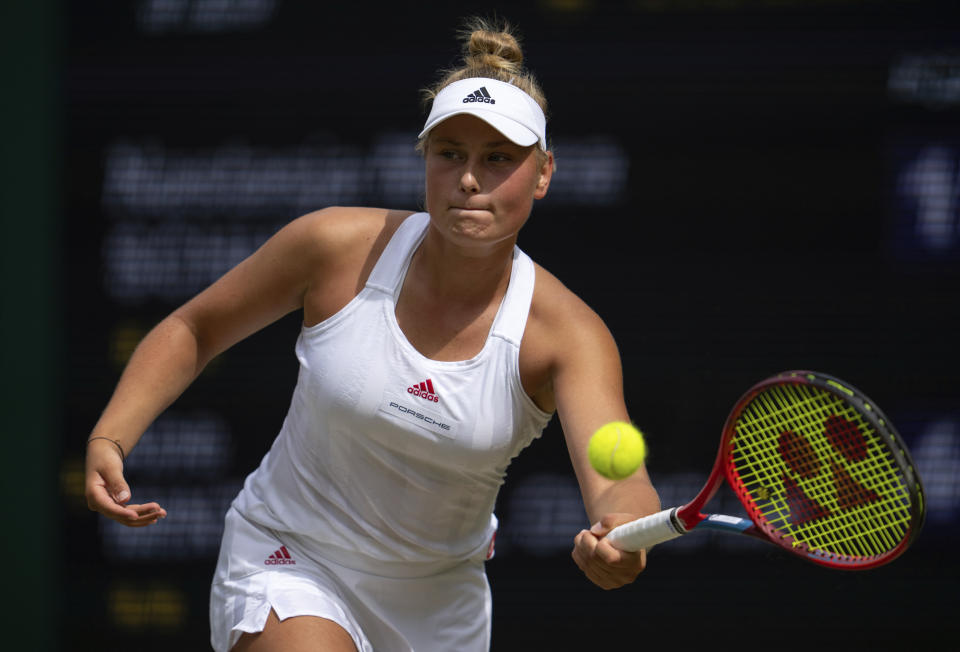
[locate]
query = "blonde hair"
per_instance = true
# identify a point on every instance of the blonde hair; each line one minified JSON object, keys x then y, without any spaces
{"x":491,"y":48}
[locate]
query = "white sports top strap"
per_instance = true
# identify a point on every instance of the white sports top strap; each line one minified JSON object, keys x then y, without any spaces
{"x":512,"y":318}
{"x":392,"y":265}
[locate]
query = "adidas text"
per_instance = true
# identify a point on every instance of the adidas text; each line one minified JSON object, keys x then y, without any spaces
{"x":416,"y":391}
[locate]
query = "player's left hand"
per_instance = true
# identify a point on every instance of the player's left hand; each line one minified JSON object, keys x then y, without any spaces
{"x":603,"y":564}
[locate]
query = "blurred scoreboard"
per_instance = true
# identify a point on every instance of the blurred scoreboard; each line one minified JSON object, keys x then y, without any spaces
{"x":741,"y":188}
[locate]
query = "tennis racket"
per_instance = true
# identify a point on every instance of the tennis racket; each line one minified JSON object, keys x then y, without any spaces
{"x":819,"y":469}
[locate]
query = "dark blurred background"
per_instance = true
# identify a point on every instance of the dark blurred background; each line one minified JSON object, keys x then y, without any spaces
{"x":743,"y":187}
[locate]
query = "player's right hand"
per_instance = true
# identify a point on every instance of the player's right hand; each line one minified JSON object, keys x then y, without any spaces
{"x":108,"y":493}
{"x":604,"y":565}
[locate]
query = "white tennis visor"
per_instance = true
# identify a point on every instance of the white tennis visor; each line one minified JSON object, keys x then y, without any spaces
{"x":503,"y":106}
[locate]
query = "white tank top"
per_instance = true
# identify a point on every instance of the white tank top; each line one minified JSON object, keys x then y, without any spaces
{"x":389,"y":461}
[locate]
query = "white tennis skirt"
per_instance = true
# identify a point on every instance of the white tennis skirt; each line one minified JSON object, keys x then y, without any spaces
{"x":257,"y":571}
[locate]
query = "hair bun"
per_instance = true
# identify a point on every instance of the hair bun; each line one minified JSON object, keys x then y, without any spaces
{"x":489,"y":49}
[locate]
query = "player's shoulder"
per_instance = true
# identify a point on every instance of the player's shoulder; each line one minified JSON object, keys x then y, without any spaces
{"x":339,"y":230}
{"x":561,"y":324}
{"x":346,"y":225}
{"x":557,"y":306}
{"x":562,"y":333}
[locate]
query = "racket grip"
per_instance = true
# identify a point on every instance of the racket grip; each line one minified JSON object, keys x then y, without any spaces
{"x":646,"y":532}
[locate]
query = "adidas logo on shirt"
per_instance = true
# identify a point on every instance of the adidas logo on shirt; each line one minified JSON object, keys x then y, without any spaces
{"x":424,"y":390}
{"x":280,"y":557}
{"x":480,"y":95}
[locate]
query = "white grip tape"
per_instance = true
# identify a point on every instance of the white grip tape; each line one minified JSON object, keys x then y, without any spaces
{"x":646,"y":532}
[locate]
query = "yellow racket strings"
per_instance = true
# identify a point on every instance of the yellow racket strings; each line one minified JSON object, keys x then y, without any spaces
{"x":818,"y":472}
{"x":833,"y":522}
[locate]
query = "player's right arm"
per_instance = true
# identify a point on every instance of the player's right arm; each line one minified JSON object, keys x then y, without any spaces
{"x":327,"y":249}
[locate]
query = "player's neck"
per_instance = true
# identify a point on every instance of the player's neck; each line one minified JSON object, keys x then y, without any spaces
{"x":464,"y":275}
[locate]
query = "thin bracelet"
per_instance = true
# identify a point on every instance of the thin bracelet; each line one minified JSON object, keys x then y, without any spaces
{"x":115,"y":443}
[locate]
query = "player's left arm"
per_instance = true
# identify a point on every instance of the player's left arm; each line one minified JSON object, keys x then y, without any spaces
{"x":586,"y":382}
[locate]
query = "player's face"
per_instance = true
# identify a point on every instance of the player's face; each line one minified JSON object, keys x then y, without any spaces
{"x":480,"y":186}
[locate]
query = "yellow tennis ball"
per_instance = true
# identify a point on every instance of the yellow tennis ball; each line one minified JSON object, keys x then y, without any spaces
{"x":616,"y":450}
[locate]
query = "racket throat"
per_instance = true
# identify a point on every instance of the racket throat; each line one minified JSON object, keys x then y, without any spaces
{"x":677,"y":523}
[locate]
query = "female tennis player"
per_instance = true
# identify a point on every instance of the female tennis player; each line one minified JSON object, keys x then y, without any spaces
{"x":433,"y":350}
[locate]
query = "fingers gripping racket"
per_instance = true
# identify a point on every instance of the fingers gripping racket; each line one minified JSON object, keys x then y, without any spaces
{"x":820,"y":470}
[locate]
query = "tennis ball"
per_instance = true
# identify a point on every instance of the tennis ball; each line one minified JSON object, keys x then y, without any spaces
{"x":616,"y":450}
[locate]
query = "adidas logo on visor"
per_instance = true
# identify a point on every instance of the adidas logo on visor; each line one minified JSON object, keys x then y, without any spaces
{"x":480,"y":95}
{"x":513,"y":113}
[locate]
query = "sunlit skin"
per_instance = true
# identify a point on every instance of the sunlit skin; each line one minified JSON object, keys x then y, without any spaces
{"x":480,"y":187}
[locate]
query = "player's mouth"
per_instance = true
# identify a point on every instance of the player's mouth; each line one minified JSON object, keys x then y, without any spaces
{"x":471,"y":209}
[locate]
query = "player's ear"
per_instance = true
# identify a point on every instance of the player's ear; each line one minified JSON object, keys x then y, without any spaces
{"x":546,"y":173}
